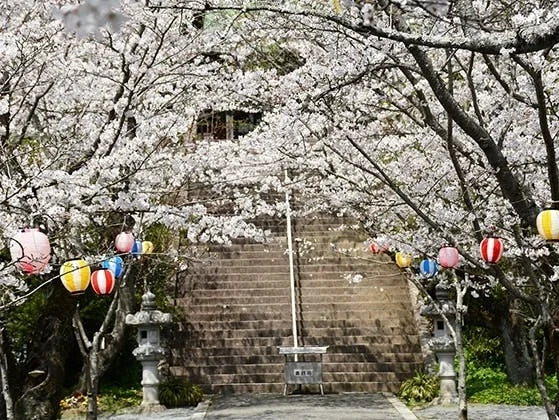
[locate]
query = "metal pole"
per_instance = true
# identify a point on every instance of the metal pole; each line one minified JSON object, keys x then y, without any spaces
{"x":291,"y":271}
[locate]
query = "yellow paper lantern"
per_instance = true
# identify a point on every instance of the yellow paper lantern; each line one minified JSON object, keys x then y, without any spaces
{"x":403,"y":260}
{"x":147,"y":247}
{"x":75,"y":276}
{"x":547,"y":223}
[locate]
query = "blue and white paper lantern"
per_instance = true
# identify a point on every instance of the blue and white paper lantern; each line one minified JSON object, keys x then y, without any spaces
{"x":115,"y":264}
{"x":428,"y":268}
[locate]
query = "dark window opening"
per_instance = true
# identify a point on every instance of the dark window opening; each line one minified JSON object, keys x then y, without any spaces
{"x":226,"y":125}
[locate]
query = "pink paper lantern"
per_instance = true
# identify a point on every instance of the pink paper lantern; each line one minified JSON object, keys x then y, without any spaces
{"x":448,"y":256}
{"x":30,"y":250}
{"x":124,"y":241}
{"x":103,"y":281}
{"x":376,"y":248}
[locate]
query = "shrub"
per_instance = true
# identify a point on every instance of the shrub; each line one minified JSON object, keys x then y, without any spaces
{"x":178,"y":392}
{"x":109,"y":400}
{"x":479,"y":379}
{"x":420,"y":388}
{"x":487,"y":386}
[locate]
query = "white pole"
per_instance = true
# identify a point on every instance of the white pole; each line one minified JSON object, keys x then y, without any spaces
{"x":291,"y":271}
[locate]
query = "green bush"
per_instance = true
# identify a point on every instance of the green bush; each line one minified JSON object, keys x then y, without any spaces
{"x":482,"y":350}
{"x":420,"y":388}
{"x":479,"y":379}
{"x":178,"y":392}
{"x":114,"y":399}
{"x":487,"y":386}
{"x":110,"y":400}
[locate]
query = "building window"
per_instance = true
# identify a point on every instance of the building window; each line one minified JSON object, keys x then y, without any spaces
{"x":225,"y":125}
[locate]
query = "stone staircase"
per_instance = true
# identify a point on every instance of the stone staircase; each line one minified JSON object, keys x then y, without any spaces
{"x":238,"y":307}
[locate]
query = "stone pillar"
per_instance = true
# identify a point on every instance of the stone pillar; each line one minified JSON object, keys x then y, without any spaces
{"x":150,"y":350}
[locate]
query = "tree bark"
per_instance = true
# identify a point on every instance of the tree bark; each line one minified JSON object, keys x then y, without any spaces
{"x":518,"y":361}
{"x":8,"y":404}
{"x":539,"y":373}
{"x":49,"y":349}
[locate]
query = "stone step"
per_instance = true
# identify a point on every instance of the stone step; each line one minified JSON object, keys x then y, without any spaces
{"x":229,"y":378}
{"x":246,"y":373}
{"x":243,"y":388}
{"x":390,"y":291}
{"x":261,"y":269}
{"x":346,"y":310}
{"x":334,"y":362}
{"x":330,"y":378}
{"x":340,"y":324}
{"x":277,"y":388}
{"x":321,"y":335}
{"x":380,"y":341}
{"x":350,"y":364}
{"x":381,"y":317}
{"x":275,"y":280}
{"x":307,"y":298}
{"x":352,"y":353}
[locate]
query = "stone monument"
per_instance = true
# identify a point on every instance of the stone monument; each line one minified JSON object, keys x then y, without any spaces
{"x":442,"y":343}
{"x":150,"y":351}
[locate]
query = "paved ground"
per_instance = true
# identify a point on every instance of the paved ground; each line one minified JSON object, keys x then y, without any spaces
{"x":351,"y":406}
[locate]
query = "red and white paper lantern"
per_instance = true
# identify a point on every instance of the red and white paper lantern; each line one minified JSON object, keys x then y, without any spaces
{"x":103,"y":281}
{"x":491,"y":249}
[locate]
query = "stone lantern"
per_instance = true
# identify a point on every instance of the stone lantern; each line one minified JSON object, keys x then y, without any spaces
{"x":150,"y":350}
{"x":442,"y":342}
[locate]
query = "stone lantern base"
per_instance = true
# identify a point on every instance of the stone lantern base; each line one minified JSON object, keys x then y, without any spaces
{"x":150,"y":408}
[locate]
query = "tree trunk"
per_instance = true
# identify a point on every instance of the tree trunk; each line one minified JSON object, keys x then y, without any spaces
{"x":8,"y":405}
{"x":92,"y":386}
{"x":460,"y":309}
{"x":549,"y":408}
{"x":554,"y":350}
{"x":44,"y":367}
{"x":518,"y":361}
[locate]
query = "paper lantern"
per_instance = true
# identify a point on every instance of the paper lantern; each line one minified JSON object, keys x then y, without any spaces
{"x":102,"y":281}
{"x":491,"y":249}
{"x":376,"y":248}
{"x":124,"y":241}
{"x":137,"y":248}
{"x":75,"y":276}
{"x":147,"y":247}
{"x":448,"y":256}
{"x":30,"y":250}
{"x":428,"y":268}
{"x":547,"y":223}
{"x":115,"y":264}
{"x":403,"y":260}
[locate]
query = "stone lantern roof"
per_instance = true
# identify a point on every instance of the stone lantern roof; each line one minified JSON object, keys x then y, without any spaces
{"x":148,"y":315}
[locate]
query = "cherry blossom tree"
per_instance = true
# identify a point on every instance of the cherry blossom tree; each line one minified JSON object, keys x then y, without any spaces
{"x":97,"y":129}
{"x":430,"y":123}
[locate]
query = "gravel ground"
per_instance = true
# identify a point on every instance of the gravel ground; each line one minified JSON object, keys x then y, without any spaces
{"x":351,"y":406}
{"x":483,"y":412}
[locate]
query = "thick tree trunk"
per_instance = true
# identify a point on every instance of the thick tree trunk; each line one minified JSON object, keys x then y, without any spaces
{"x":518,"y":360}
{"x":44,"y":369}
{"x":554,"y":350}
